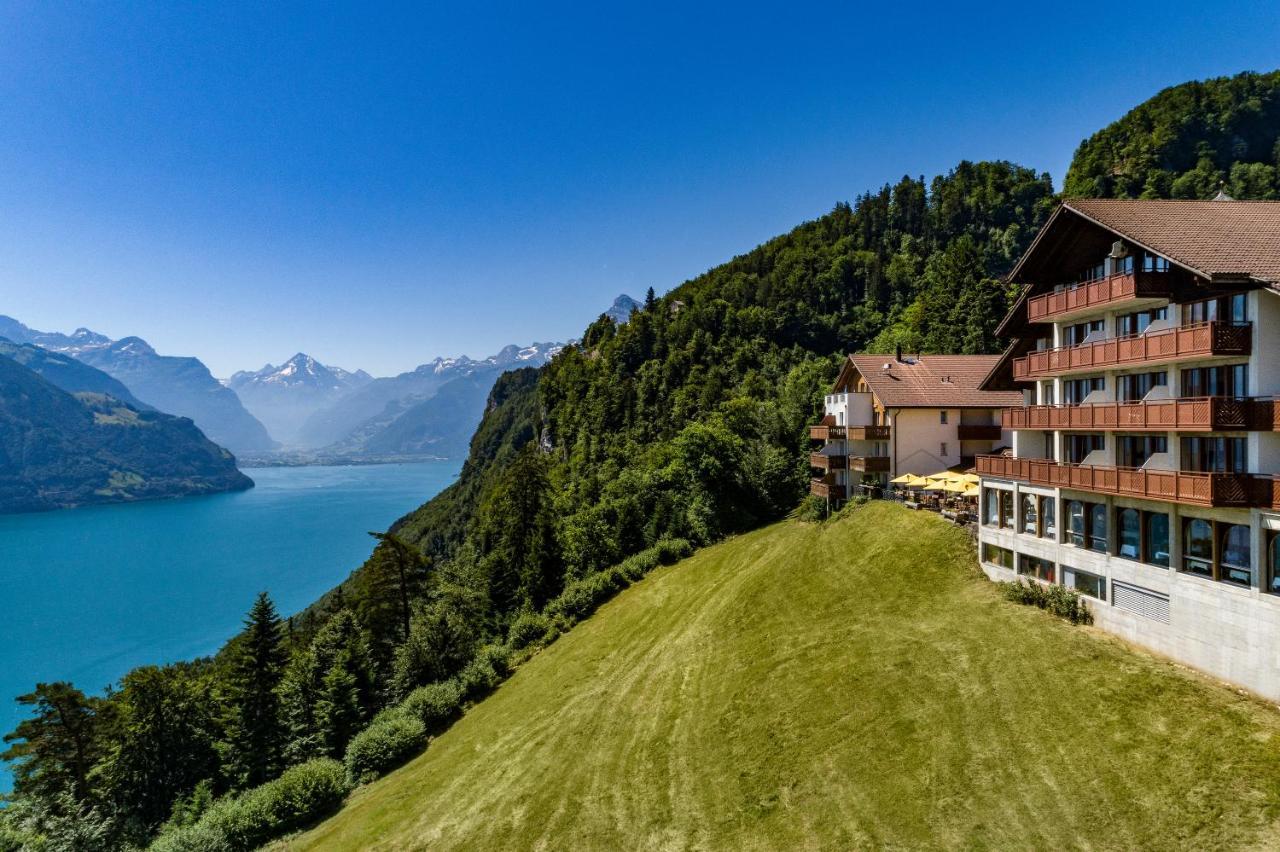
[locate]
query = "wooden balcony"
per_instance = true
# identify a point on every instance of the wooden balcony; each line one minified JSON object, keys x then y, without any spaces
{"x":826,"y":462}
{"x":849,"y":433}
{"x":978,"y":432}
{"x":1186,"y":414}
{"x":1197,"y":489}
{"x":1201,"y":340}
{"x":826,"y":487}
{"x":869,"y":464}
{"x":1089,"y":298}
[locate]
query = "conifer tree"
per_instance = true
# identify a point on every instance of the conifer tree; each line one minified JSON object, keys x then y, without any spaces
{"x":255,"y":729}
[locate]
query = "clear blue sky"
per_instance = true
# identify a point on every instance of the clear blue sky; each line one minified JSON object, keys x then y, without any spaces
{"x":378,"y":187}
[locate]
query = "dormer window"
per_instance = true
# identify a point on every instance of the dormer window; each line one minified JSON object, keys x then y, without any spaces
{"x":1154,"y":263}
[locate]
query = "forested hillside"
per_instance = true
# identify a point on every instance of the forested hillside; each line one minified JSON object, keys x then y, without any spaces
{"x":686,"y":423}
{"x":1188,"y":141}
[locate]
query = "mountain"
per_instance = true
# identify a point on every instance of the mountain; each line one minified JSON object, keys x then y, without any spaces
{"x":284,"y":397}
{"x":1188,"y":141}
{"x":67,"y":373}
{"x":441,"y":425}
{"x":371,"y":407}
{"x":620,"y":310}
{"x":175,"y":385}
{"x":59,"y":449}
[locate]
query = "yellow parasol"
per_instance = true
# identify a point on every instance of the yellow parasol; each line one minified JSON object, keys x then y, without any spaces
{"x":937,"y":485}
{"x":955,"y":487}
{"x":938,"y":477}
{"x":971,"y":491}
{"x":905,"y":479}
{"x":971,"y":478}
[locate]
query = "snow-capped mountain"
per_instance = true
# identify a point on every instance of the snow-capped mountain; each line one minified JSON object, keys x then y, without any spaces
{"x":174,"y":385}
{"x":620,"y":310}
{"x":284,"y":397}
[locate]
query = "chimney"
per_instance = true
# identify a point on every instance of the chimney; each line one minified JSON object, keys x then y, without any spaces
{"x":898,"y":354}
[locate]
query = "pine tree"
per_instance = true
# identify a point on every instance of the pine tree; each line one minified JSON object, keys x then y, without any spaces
{"x":53,"y":751}
{"x":338,"y":705}
{"x":255,"y":730}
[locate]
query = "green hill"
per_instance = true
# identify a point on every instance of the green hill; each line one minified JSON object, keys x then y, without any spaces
{"x":850,"y":685}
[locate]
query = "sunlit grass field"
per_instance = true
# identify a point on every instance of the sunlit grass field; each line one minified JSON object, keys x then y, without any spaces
{"x":851,"y":685}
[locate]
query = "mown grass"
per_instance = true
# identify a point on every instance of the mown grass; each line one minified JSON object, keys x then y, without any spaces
{"x":850,"y":685}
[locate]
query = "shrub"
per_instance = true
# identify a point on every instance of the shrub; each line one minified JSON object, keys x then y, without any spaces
{"x":1059,"y":600}
{"x":435,"y":705}
{"x":483,"y":674}
{"x":388,"y":742}
{"x":812,"y":509}
{"x":528,"y":628}
{"x":301,"y":795}
{"x":671,"y":550}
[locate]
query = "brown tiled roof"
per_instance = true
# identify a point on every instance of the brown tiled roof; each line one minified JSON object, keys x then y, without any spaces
{"x":932,"y":381}
{"x":1215,"y":238}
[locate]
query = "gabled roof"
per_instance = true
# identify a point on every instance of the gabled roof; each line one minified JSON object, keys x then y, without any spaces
{"x":932,"y":381}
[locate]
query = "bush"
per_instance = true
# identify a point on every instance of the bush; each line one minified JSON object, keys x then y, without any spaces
{"x":672,"y":550}
{"x":435,"y":705}
{"x":812,"y":509}
{"x":384,"y":745}
{"x":483,"y":674}
{"x":300,"y":796}
{"x":528,"y":628}
{"x":1059,"y":600}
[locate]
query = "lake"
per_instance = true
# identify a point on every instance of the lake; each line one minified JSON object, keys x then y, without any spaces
{"x":90,"y":593}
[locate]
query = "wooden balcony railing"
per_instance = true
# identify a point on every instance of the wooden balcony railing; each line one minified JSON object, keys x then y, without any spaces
{"x":1184,"y":414}
{"x":850,"y":433}
{"x":1200,"y":489}
{"x":869,"y":464}
{"x":827,"y":462}
{"x":1095,"y":294}
{"x":1201,"y":340}
{"x":824,"y":487}
{"x":978,"y":432}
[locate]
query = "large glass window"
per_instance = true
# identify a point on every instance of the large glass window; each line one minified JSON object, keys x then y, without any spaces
{"x":1137,"y":322}
{"x":1214,"y":455}
{"x":1154,"y":263}
{"x":1075,"y":514}
{"x":1273,"y":563}
{"x":1029,"y":514}
{"x":1048,"y":519}
{"x":1236,"y":555}
{"x":1084,"y":583}
{"x":991,"y":507}
{"x":1157,"y":539}
{"x":1075,"y":390}
{"x":1034,"y":566}
{"x":1233,"y":309}
{"x":1098,"y":527}
{"x":1197,"y":546}
{"x":1079,"y":446}
{"x":1228,"y":380}
{"x":995,"y":555}
{"x":1135,"y":450}
{"x":1074,"y":335}
{"x":1130,"y":523}
{"x":1136,"y":386}
{"x":1006,"y":510}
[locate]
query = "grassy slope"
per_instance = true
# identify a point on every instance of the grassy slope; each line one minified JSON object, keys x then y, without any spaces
{"x":855,"y":684}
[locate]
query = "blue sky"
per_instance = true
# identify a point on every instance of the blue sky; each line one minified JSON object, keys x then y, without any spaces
{"x":240,"y":182}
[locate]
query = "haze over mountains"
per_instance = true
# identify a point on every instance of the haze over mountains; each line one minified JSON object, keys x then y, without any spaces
{"x":285,"y":396}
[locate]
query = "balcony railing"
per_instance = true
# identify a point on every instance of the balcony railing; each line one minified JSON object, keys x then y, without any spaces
{"x":827,"y":462}
{"x":1184,"y":414}
{"x":823,"y":487}
{"x":1200,"y":489}
{"x":1084,"y":298}
{"x":978,"y":432}
{"x":869,"y":464}
{"x":1201,"y":340}
{"x":851,"y":433}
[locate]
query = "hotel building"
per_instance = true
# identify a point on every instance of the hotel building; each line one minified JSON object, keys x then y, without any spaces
{"x":1147,"y":350}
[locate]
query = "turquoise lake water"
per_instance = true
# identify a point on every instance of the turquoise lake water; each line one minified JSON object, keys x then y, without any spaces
{"x":90,"y":593}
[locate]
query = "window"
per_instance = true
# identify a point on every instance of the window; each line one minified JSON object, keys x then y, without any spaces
{"x":1029,"y":514}
{"x":1137,"y":322}
{"x":942,"y":417}
{"x":1074,"y":335}
{"x":1236,"y":556}
{"x":1130,"y":523}
{"x":1084,"y":583}
{"x":1075,"y":514}
{"x":1273,"y":563}
{"x":991,"y":507}
{"x":1231,"y":380}
{"x":1093,"y":273}
{"x":1230,"y":309}
{"x":1135,"y":450}
{"x":1154,"y":263}
{"x":1079,"y":446}
{"x":1136,"y":386}
{"x":1033,"y":566}
{"x":1214,"y":455}
{"x":1048,"y":526}
{"x":1156,"y":539}
{"x":943,"y":449}
{"x":1075,"y":390}
{"x":1001,"y":556}
{"x":1098,"y":527}
{"x":1006,"y":509}
{"x":1197,"y":546}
